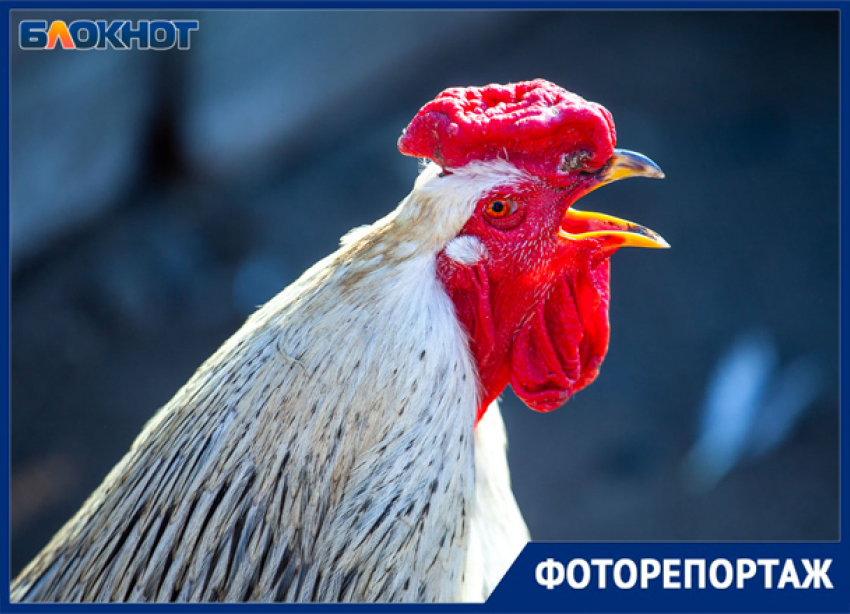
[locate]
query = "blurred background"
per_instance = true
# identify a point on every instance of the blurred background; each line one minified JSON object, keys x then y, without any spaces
{"x":158,"y":197}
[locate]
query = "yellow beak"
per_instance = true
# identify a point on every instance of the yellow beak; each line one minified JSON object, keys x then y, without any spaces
{"x":586,"y":225}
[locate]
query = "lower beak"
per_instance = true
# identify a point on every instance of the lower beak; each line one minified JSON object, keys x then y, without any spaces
{"x":586,"y":225}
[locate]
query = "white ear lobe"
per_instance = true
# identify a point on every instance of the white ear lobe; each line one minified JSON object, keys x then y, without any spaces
{"x":465,"y":249}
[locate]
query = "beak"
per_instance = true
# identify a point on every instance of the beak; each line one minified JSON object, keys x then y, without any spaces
{"x":624,"y":164}
{"x":586,"y":225}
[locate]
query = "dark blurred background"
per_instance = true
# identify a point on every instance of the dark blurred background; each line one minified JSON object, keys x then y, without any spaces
{"x":158,"y":197}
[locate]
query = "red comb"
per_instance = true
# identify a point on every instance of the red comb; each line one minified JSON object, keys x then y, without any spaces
{"x":534,"y":124}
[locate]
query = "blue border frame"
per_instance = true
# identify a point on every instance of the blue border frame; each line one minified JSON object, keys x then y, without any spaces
{"x":689,"y":5}
{"x":518,"y":590}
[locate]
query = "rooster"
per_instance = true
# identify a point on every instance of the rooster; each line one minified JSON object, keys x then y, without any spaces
{"x":346,"y":444}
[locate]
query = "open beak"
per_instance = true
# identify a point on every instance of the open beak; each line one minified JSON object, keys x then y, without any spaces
{"x":586,"y":225}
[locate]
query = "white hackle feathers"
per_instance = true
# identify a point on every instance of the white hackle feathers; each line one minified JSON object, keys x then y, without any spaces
{"x":497,"y":532}
{"x":324,"y":453}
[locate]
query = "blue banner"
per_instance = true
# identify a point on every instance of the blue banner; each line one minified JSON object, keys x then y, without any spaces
{"x":676,"y":577}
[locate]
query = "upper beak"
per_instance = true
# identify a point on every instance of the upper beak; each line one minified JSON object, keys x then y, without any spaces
{"x":624,"y":164}
{"x":584,"y":225}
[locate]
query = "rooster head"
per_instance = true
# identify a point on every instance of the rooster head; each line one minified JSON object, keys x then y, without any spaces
{"x":528,"y":273}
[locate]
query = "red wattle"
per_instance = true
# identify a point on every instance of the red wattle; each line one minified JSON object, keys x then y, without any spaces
{"x":547,"y":350}
{"x":560,"y":350}
{"x":545,"y":361}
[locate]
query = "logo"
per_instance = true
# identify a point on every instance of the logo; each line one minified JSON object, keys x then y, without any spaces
{"x":82,"y":34}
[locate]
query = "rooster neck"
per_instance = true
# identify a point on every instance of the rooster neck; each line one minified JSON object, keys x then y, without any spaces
{"x":386,"y":373}
{"x":331,"y":434}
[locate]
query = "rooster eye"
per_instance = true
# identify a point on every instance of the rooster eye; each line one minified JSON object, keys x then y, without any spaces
{"x":502,"y":213}
{"x":501,"y":208}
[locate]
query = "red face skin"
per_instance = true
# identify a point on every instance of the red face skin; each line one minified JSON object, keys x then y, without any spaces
{"x":535,"y":307}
